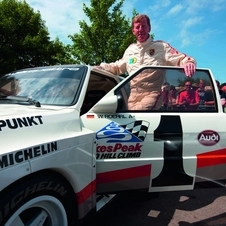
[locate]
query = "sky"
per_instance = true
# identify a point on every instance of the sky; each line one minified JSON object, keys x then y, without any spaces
{"x":194,"y":27}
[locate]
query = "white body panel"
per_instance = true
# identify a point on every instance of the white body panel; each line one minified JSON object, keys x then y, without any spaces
{"x":99,"y":146}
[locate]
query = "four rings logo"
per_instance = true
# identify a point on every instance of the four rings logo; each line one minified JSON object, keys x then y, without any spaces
{"x":208,"y":137}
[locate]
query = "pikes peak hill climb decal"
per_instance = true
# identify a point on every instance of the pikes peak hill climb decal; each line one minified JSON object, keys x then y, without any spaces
{"x":121,"y":141}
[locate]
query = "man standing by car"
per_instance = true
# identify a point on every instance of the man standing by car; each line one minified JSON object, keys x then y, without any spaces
{"x":146,"y":87}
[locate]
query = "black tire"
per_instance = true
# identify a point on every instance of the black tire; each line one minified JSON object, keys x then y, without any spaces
{"x":41,"y":200}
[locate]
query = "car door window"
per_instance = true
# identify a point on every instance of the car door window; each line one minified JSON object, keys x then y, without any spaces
{"x":176,"y":92}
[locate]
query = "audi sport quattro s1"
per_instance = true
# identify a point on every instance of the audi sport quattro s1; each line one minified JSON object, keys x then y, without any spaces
{"x":68,"y":137}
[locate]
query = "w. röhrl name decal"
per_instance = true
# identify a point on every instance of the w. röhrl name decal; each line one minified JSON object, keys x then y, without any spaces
{"x":26,"y":154}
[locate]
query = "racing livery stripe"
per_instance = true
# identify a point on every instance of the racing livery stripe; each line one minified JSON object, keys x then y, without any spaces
{"x":86,"y":192}
{"x":211,"y":158}
{"x":124,"y":174}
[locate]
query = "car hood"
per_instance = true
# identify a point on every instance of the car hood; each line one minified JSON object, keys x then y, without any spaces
{"x":12,"y":109}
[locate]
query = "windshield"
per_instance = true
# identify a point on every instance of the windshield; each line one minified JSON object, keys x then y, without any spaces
{"x":49,"y":85}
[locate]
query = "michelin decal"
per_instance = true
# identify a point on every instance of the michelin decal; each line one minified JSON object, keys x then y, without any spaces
{"x":27,"y":154}
{"x":121,"y":141}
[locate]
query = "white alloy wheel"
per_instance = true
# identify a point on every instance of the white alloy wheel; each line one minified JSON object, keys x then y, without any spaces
{"x":39,"y":200}
{"x":42,"y":211}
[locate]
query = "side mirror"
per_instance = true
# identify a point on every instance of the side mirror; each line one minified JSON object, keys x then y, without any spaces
{"x":108,"y":104}
{"x":120,"y":102}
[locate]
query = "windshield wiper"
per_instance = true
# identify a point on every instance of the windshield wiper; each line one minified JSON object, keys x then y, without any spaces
{"x":23,"y":99}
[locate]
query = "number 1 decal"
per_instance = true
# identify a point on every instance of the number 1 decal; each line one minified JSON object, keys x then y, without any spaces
{"x":170,"y":132}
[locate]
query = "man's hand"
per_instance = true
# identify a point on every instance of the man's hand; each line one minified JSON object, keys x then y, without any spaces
{"x":98,"y":66}
{"x":189,"y":69}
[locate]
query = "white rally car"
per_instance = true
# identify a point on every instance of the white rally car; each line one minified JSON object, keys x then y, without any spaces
{"x":67,"y":136}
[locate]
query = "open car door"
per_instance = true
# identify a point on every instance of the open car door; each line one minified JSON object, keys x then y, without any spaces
{"x":161,"y":150}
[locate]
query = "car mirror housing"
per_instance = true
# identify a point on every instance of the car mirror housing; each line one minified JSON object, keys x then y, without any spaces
{"x":108,"y":104}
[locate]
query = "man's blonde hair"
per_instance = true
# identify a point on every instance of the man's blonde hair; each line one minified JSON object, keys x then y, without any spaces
{"x":139,"y":17}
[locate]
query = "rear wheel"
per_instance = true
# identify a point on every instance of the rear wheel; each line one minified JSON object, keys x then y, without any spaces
{"x":45,"y":200}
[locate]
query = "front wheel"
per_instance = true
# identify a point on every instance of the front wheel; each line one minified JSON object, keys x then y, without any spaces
{"x":43,"y":201}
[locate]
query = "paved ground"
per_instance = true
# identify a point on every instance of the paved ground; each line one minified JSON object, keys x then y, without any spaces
{"x":200,"y":207}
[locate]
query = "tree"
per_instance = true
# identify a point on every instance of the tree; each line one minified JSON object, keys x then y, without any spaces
{"x":107,"y":36}
{"x":62,"y":53}
{"x":24,"y":38}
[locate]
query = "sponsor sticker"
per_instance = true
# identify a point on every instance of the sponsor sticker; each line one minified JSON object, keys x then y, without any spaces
{"x":208,"y":137}
{"x":20,"y":156}
{"x":121,"y":141}
{"x":16,"y":123}
{"x":132,"y":60}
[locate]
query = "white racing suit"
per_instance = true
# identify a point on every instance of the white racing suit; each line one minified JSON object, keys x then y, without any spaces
{"x":146,"y":87}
